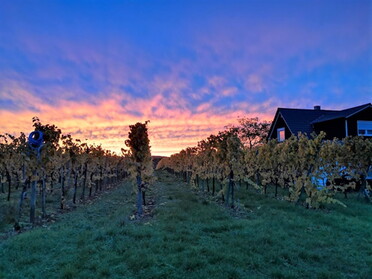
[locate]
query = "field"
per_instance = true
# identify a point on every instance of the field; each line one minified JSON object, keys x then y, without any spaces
{"x":192,"y":236}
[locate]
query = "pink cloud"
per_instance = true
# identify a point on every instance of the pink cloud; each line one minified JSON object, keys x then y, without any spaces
{"x":229,"y":91}
{"x":254,"y":84}
{"x":106,"y":122}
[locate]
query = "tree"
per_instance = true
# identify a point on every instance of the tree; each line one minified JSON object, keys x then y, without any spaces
{"x":140,"y":154}
{"x":252,"y":131}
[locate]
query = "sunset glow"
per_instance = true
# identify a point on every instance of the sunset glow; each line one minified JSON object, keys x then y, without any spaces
{"x":190,"y":67}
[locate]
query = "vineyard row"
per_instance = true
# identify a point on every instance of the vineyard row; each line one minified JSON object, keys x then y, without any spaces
{"x":48,"y":164}
{"x":308,"y":169}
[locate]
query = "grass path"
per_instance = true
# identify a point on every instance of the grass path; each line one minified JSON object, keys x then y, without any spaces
{"x":191,"y":237}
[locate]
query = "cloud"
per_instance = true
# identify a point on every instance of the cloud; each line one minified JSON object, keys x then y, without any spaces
{"x":229,"y":91}
{"x":254,"y":84}
{"x":106,"y":122}
{"x":94,"y":78}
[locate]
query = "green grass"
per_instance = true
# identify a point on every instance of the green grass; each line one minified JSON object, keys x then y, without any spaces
{"x":9,"y":209}
{"x":191,"y":236}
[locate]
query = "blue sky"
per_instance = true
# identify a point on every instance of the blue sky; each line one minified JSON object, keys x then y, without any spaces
{"x":191,"y":67}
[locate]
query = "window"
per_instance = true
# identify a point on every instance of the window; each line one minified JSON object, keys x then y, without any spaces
{"x":281,"y":134}
{"x":364,"y":128}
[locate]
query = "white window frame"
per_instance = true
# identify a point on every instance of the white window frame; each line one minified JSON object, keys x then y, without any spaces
{"x":278,"y":134}
{"x":366,"y":126}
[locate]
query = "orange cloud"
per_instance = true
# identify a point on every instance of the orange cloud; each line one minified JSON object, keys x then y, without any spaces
{"x":105,"y":121}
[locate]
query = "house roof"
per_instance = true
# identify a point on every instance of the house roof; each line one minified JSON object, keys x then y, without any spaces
{"x":346,"y":113}
{"x":301,"y":120}
{"x":298,"y":120}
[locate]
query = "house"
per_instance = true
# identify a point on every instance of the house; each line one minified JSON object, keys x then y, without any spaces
{"x":355,"y":121}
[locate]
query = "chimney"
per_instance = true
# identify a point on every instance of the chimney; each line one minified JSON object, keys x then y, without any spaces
{"x":316,"y":107}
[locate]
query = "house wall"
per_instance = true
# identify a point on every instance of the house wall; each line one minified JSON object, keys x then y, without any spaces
{"x":333,"y":128}
{"x":280,"y":124}
{"x":352,"y":121}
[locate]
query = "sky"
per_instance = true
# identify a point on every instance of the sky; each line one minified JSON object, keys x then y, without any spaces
{"x":190,"y":67}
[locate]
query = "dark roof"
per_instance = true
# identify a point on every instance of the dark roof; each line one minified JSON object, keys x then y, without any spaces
{"x":301,"y":120}
{"x":346,"y":113}
{"x":298,"y":120}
